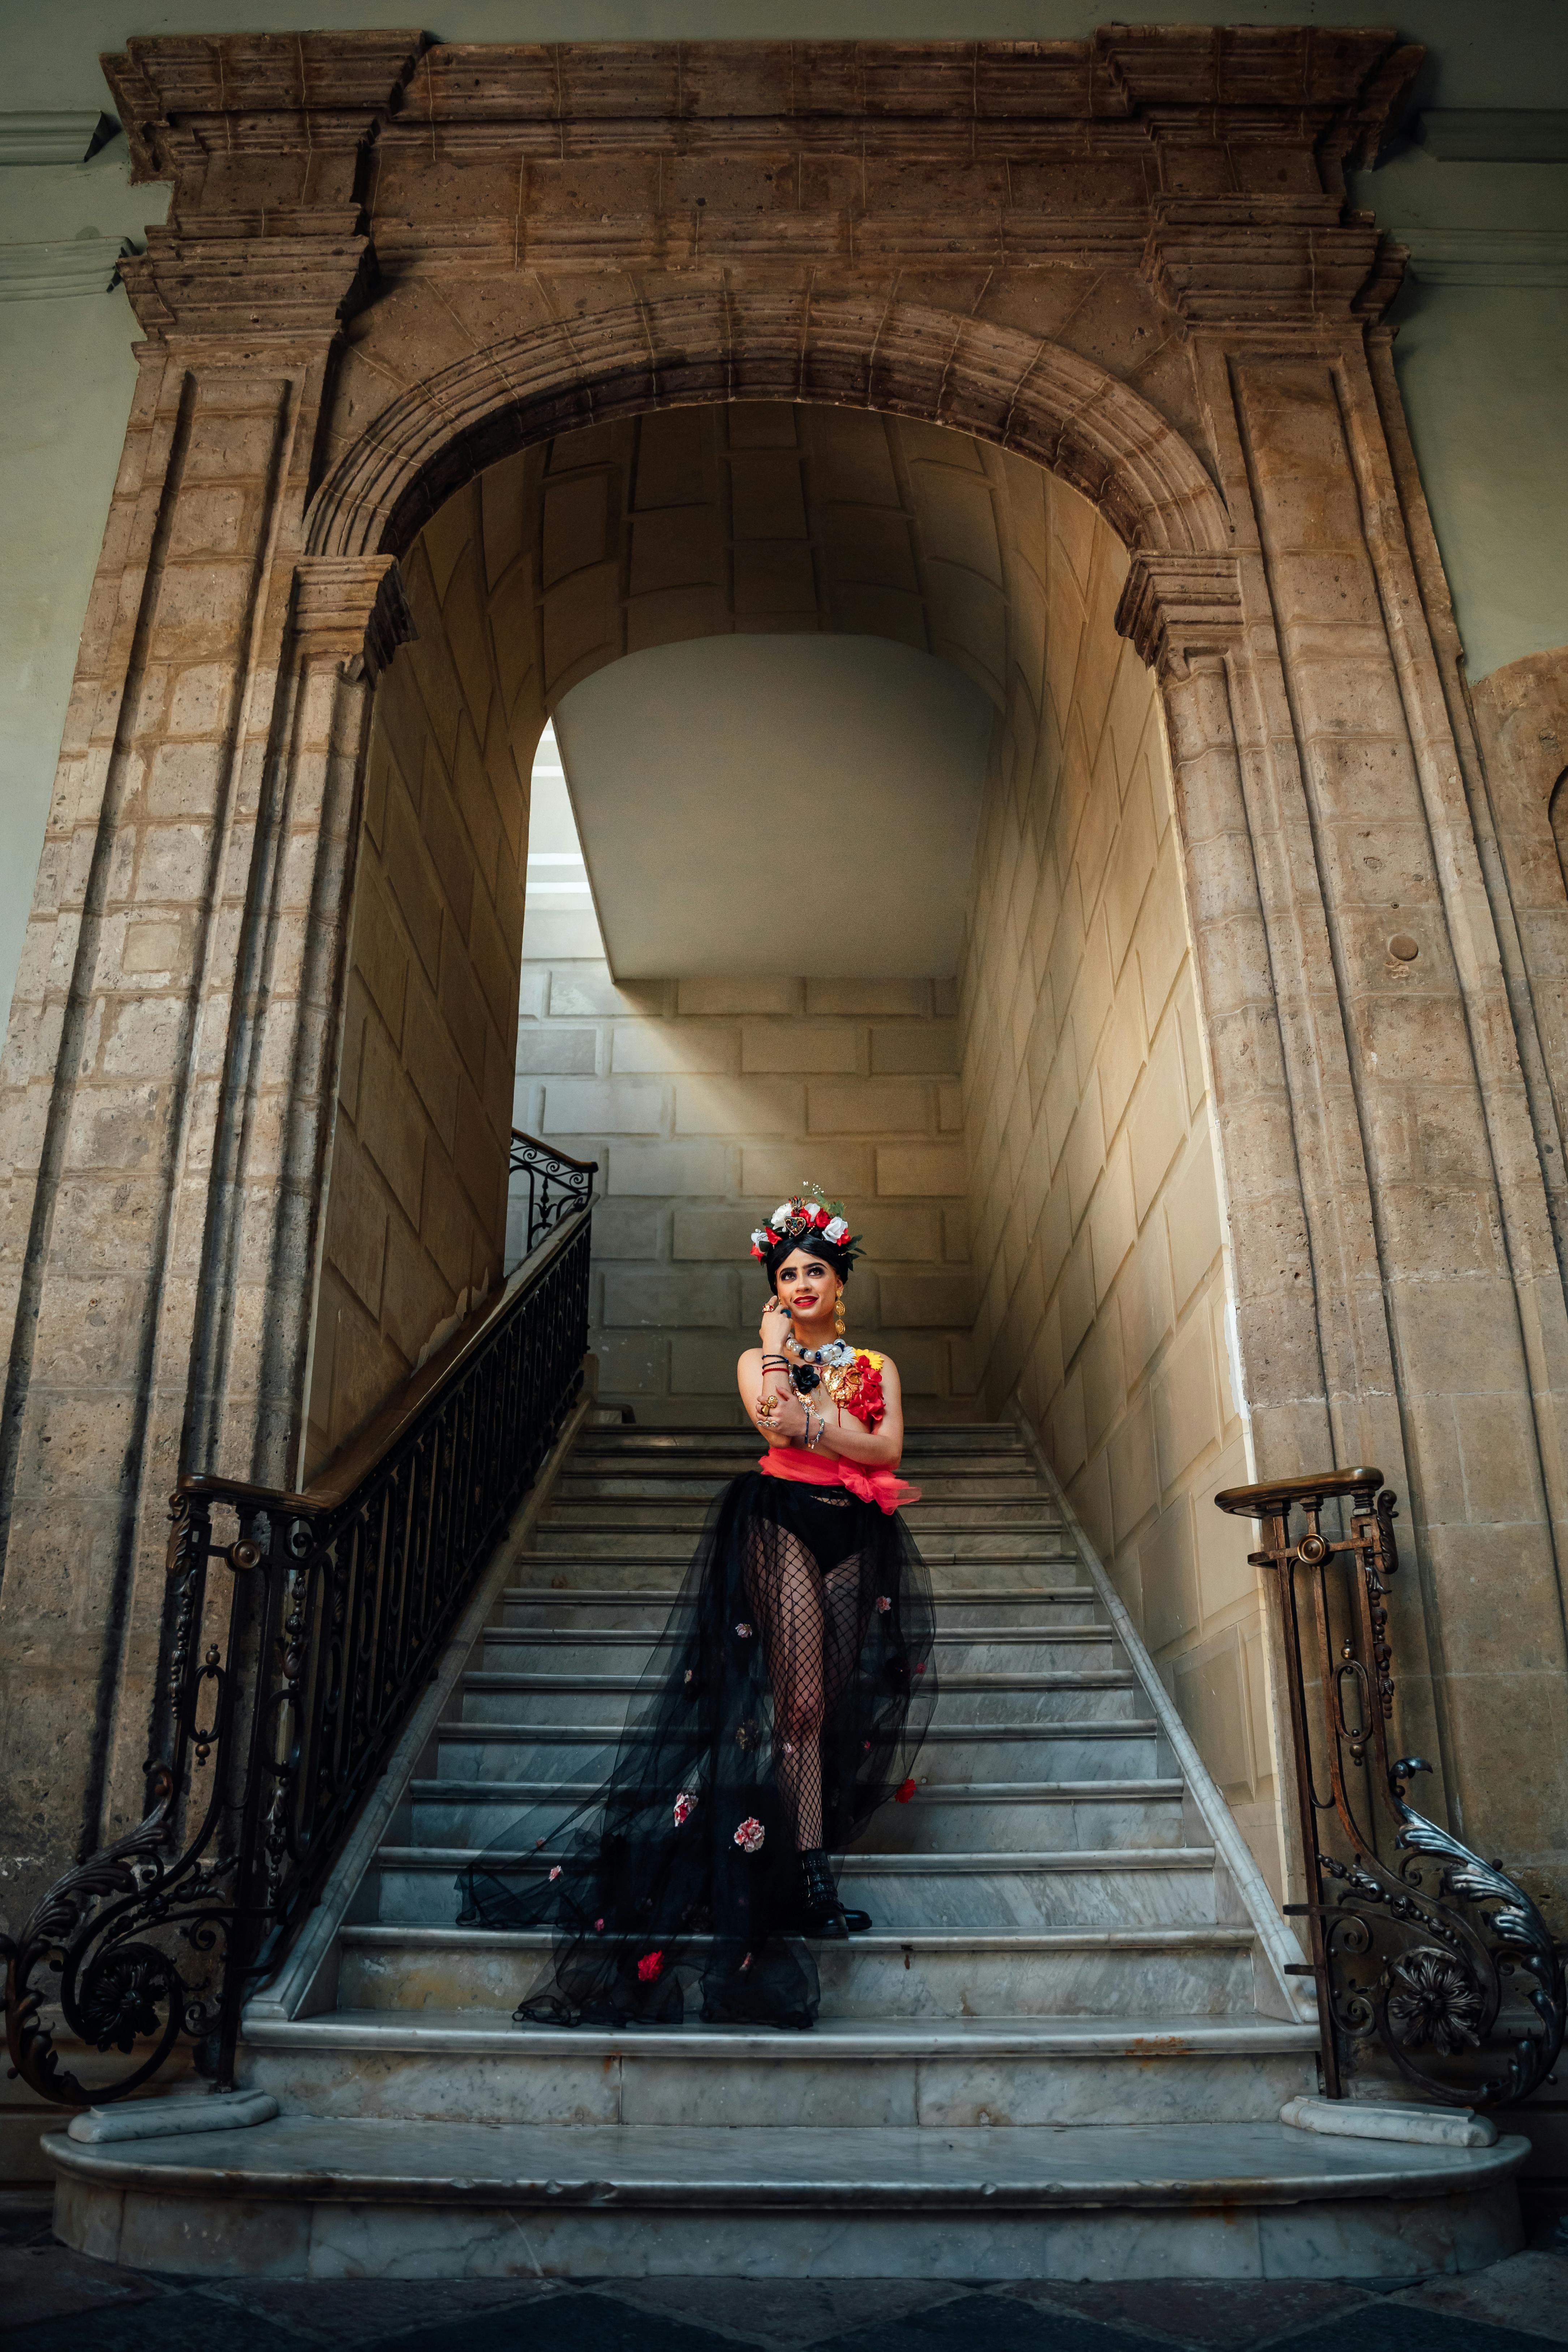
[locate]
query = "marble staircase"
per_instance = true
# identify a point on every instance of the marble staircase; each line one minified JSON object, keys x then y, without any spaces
{"x":1066,"y":2042}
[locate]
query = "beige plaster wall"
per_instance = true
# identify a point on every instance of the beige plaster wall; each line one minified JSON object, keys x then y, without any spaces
{"x":415,"y":1216}
{"x":705,"y":1102}
{"x":1098,"y":1233}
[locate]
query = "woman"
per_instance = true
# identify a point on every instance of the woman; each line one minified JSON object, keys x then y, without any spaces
{"x":788,"y":1700}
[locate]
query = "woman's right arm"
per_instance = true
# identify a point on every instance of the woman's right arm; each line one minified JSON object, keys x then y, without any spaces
{"x":754,"y":1385}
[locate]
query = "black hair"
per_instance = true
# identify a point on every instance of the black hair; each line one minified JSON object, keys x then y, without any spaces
{"x":829,"y":1251}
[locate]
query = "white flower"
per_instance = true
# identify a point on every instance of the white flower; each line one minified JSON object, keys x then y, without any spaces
{"x":761,"y":1238}
{"x":684,"y":1806}
{"x":780,"y":1218}
{"x":836,"y":1229}
{"x":749,"y":1835}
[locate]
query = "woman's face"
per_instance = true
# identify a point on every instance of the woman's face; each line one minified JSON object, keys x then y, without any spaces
{"x":807,"y":1284}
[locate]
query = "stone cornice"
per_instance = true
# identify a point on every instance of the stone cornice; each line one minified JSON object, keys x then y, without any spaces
{"x":353,"y":607}
{"x":1253,"y":261}
{"x":292,"y":273}
{"x":184,"y":99}
{"x":1175,"y":608}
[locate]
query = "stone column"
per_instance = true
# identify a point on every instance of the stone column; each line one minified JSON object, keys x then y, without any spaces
{"x":1443,"y":1335}
{"x":168,"y":1069}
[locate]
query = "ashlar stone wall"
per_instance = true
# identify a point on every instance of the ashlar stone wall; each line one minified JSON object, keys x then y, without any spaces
{"x":706,"y":1102}
{"x":1098,"y":1239}
{"x":416,"y":1220}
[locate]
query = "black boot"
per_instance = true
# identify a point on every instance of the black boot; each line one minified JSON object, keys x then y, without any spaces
{"x":821,"y":1912}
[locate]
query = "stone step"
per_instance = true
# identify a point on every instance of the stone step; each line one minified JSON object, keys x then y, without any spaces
{"x":694,"y":1482}
{"x":629,"y":1609}
{"x":960,"y":1753}
{"x":615,"y":1473}
{"x":476,"y":2065}
{"x":1077,"y":1695}
{"x":1050,"y":1550}
{"x":960,"y":1438}
{"x":968,"y":1649}
{"x":996,"y":1817}
{"x":305,"y":2196}
{"x":1170,"y":1972}
{"x":1033,"y":1511}
{"x":1167,"y":1887}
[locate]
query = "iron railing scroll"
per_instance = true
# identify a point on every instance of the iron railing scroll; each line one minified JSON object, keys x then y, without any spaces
{"x":303,"y":1628}
{"x":1431,"y":1965}
{"x":555,"y":1185}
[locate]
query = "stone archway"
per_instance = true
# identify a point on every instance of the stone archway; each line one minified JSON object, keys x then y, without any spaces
{"x":1129,"y":260}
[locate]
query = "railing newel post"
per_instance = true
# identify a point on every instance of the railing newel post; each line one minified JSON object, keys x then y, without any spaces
{"x":339,"y":1602}
{"x":1437,"y":1955}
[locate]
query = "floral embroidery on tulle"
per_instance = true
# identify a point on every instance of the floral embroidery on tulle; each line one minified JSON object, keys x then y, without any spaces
{"x":746,"y":1736}
{"x":746,"y":1963}
{"x":650,"y":1966}
{"x":789,"y":1748}
{"x":883,"y":1602}
{"x":906,"y":1792}
{"x":556,"y":1871}
{"x":744,"y":1632}
{"x":598,"y":1926}
{"x":751,"y":1834}
{"x":684,"y":1807}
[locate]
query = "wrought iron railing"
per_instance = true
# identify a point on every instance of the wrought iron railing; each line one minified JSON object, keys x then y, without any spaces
{"x":553,"y":1183}
{"x":1431,"y":1965}
{"x":290,"y":1678}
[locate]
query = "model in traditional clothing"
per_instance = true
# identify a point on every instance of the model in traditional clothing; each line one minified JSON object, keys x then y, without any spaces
{"x":785,"y":1705}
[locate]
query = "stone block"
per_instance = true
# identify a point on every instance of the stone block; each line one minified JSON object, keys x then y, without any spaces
{"x":737,"y":1106}
{"x":674,"y":1171}
{"x":1191,"y":1219}
{"x":408,"y":873}
{"x":1167,"y":1569}
{"x":1210,"y":1699}
{"x":916,"y":1049}
{"x":869,"y":1107}
{"x":415,"y":1298}
{"x":1111,"y":1224}
{"x":428,"y":1058}
{"x":1160,"y":939}
{"x":1064,"y":1432}
{"x":587,"y":989}
{"x":809,"y":1046}
{"x":876,"y":998}
{"x":703,"y":1298}
{"x":632,"y":1363}
{"x":702,"y":1363}
{"x":908,"y":1235}
{"x":922,"y":1170}
{"x":628,"y":1229}
{"x":463,"y":1005}
{"x":356,"y":1222}
{"x":389,"y":1121}
{"x":1157,"y":1124}
{"x":1143,"y":1302}
{"x":672,"y":1045}
{"x":698,"y":997}
{"x":1076,"y":1297}
{"x":1187,"y":1409}
{"x":548,"y":1050}
{"x":378,"y":951}
{"x":922,"y":1300}
{"x":602,"y":1107}
{"x":1104,"y":1381}
{"x":711,"y":1234}
{"x":1134,"y":1471}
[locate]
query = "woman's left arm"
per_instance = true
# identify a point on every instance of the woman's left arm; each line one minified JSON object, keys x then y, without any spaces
{"x":870,"y":1449}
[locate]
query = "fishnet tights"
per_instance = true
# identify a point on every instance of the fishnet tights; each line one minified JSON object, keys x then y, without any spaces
{"x":812,"y":1627}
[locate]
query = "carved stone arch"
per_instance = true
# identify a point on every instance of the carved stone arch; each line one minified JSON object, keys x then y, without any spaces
{"x":1032,"y":397}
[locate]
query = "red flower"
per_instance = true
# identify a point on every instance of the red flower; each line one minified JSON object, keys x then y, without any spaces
{"x":906,"y":1792}
{"x":749,"y":1837}
{"x":650,"y":1966}
{"x":556,"y":1871}
{"x":823,"y":1217}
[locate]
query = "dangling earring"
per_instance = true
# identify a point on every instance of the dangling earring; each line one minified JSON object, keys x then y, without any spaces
{"x":838,"y":1315}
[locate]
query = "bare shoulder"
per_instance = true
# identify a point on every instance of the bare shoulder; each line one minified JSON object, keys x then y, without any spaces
{"x":885,"y":1365}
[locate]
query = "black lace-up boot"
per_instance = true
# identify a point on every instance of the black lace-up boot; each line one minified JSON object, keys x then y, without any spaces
{"x":821,"y":1912}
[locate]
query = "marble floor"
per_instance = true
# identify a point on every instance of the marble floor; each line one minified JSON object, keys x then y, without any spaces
{"x":52,"y":2300}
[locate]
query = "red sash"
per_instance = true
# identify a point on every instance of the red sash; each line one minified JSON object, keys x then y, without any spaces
{"x":883,"y":1488}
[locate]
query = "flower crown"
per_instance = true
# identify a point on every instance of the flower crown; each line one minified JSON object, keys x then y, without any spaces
{"x":807,"y":1213}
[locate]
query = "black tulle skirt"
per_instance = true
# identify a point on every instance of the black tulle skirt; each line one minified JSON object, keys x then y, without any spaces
{"x":785,"y":1703}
